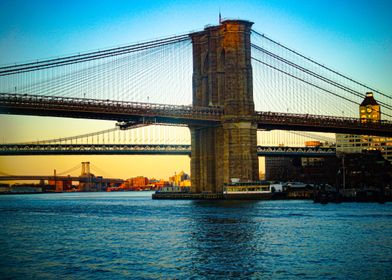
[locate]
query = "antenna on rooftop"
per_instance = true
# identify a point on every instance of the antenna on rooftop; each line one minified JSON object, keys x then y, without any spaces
{"x":220,"y":17}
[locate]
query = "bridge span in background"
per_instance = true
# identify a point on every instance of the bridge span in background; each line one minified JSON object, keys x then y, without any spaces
{"x":147,"y":149}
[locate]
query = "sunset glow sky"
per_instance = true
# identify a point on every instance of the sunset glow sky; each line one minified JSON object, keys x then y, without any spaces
{"x":354,"y":37}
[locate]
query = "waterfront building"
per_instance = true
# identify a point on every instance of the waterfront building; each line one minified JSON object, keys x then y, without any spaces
{"x":367,"y":170}
{"x":179,"y":179}
{"x":369,"y":111}
{"x":185,"y":183}
{"x":280,"y":168}
{"x":61,"y":185}
{"x":319,"y":171}
{"x":308,"y":170}
{"x":159,"y":185}
{"x":289,"y":168}
{"x":135,"y":184}
{"x":138,"y":182}
{"x":314,"y":170}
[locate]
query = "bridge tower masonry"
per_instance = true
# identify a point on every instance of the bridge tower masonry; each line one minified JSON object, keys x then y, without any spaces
{"x":222,"y":76}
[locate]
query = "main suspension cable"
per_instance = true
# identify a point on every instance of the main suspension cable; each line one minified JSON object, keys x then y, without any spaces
{"x":319,"y":64}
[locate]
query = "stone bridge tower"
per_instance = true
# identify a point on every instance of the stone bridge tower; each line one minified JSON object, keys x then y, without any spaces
{"x":222,"y":76}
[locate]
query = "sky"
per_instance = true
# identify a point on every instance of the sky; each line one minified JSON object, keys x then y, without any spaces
{"x":354,"y":37}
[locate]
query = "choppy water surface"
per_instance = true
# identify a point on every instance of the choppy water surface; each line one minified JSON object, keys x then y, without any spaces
{"x":130,"y":236}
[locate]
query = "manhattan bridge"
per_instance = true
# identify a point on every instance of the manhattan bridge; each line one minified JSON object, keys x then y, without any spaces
{"x":228,"y":85}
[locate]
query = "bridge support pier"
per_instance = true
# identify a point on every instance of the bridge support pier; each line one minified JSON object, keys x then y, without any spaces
{"x":222,"y":76}
{"x":240,"y":151}
{"x":222,"y":153}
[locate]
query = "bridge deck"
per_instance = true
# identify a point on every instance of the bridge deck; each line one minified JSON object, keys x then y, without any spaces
{"x":178,"y":114}
{"x":107,"y":109}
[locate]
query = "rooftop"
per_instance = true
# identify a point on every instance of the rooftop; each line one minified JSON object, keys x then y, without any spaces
{"x":369,"y":100}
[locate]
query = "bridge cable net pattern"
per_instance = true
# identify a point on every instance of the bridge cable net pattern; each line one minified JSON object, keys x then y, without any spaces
{"x":287,"y":81}
{"x":158,"y":71}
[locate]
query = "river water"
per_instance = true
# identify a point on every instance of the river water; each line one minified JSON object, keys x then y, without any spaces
{"x":130,"y":236}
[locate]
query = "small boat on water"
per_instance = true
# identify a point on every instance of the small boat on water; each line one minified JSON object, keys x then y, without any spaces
{"x":246,"y":187}
{"x":248,"y":190}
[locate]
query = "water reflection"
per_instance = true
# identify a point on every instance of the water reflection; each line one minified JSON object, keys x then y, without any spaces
{"x":225,"y":238}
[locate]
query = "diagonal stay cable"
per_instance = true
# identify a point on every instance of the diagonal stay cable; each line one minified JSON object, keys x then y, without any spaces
{"x":319,"y":64}
{"x":311,"y":84}
{"x":70,"y":170}
{"x":63,"y":139}
{"x":300,"y":68}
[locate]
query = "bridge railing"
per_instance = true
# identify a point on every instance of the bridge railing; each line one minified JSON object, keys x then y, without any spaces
{"x":313,"y":120}
{"x":120,"y":110}
{"x":108,"y":106}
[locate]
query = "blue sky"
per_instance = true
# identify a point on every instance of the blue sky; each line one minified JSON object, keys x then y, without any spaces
{"x":353,"y":37}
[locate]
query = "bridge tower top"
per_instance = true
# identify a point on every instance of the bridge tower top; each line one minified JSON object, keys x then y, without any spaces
{"x":222,"y":71}
{"x":85,"y":168}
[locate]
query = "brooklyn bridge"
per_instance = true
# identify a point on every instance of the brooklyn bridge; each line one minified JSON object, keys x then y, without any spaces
{"x":226,"y":83}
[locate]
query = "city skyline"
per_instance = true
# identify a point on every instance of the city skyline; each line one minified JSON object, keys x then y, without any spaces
{"x":299,"y":26}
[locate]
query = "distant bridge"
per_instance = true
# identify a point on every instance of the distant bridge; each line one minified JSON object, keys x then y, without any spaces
{"x":82,"y":179}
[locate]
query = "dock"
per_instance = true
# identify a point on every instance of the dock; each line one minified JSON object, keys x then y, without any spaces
{"x":213,"y":196}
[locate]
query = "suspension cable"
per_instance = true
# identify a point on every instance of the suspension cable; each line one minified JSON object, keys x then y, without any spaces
{"x":44,"y":64}
{"x":74,"y":168}
{"x":305,"y":70}
{"x":69,"y":138}
{"x":101,"y":171}
{"x":312,"y":135}
{"x":319,"y":64}
{"x":311,"y":84}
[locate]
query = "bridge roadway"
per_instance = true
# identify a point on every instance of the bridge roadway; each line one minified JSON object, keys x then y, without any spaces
{"x":125,"y":111}
{"x":147,"y":149}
